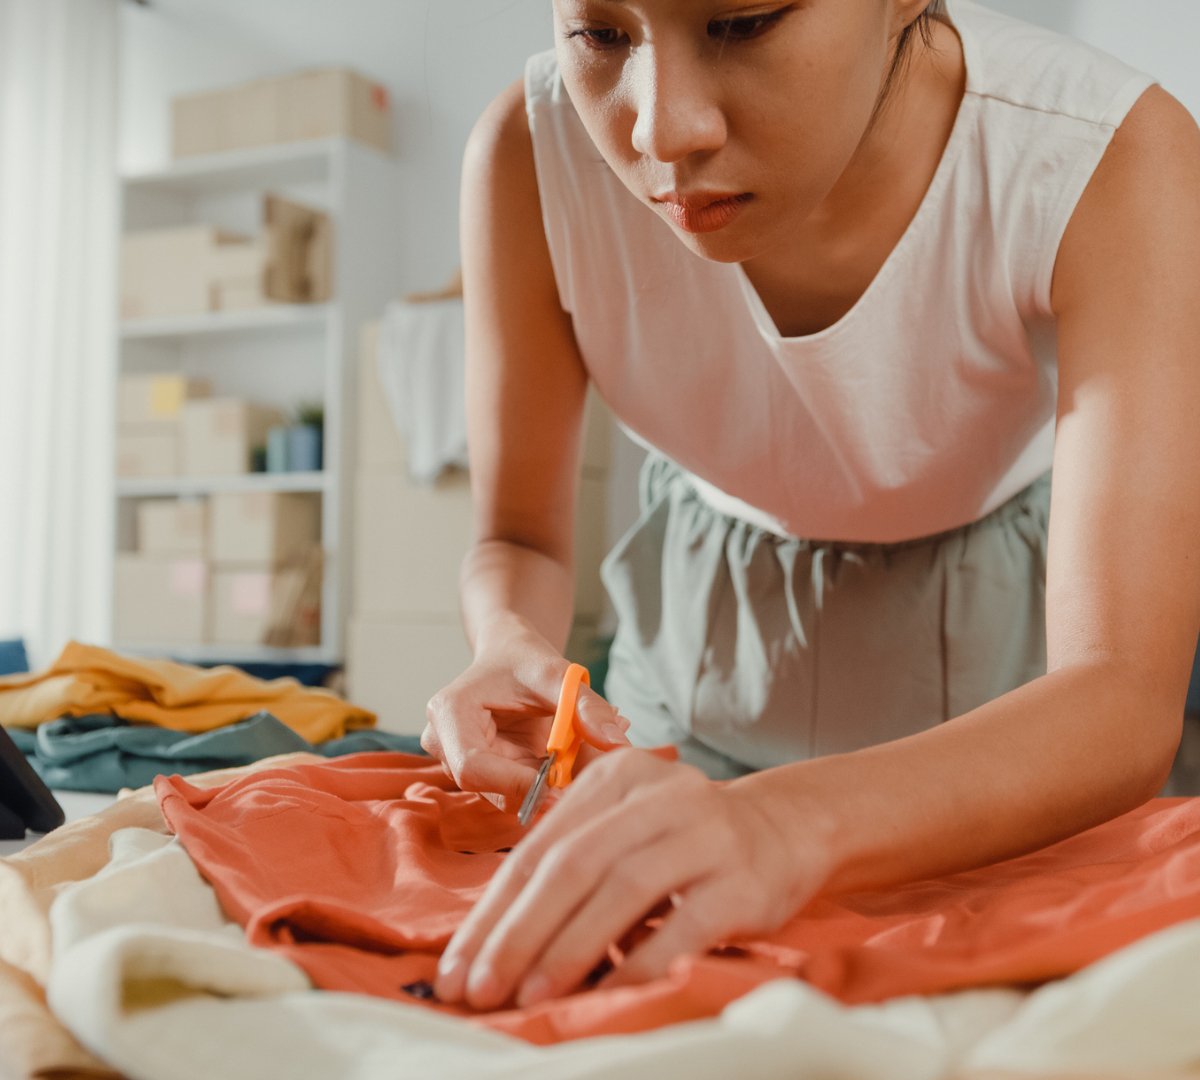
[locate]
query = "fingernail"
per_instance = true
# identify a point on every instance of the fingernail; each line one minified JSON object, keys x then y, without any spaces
{"x":536,"y":989}
{"x":613,"y":732}
{"x":450,"y":977}
{"x":482,"y":986}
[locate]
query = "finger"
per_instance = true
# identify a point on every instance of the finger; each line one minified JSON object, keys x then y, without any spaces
{"x":561,"y":886}
{"x":554,"y":871}
{"x":572,"y":810}
{"x":633,"y":885}
{"x":475,"y":766}
{"x":601,"y":725}
{"x":706,"y":913}
{"x":430,"y":742}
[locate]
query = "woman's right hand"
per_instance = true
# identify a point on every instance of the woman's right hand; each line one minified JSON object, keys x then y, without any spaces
{"x":489,"y":727}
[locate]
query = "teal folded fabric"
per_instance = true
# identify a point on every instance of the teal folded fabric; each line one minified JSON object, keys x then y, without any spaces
{"x":104,"y":753}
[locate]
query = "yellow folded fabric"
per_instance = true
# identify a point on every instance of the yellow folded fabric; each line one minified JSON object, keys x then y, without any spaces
{"x":88,"y":679}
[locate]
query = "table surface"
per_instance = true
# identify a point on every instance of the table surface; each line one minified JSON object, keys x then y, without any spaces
{"x":75,"y":804}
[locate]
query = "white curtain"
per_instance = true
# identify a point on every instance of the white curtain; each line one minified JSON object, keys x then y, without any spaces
{"x":58,"y":253}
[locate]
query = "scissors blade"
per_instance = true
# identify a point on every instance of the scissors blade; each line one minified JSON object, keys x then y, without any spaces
{"x":533,"y":798}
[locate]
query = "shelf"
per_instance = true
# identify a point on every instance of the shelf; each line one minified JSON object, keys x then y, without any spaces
{"x":136,"y":487}
{"x":230,"y":654}
{"x":248,"y":320}
{"x":241,"y":170}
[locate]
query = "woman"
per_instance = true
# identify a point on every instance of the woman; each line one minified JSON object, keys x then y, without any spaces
{"x":860,"y":271}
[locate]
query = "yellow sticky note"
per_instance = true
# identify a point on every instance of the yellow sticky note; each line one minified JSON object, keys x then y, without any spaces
{"x":166,"y":396}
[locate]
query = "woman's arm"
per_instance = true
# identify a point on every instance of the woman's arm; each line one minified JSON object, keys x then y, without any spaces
{"x":525,"y":388}
{"x":1092,"y":738}
{"x":526,"y":385}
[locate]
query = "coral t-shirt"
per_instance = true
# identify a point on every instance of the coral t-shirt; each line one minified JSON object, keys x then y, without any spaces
{"x":359,"y":870}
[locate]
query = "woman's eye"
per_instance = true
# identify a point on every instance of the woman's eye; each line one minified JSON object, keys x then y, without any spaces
{"x":743,"y":27}
{"x":598,"y":38}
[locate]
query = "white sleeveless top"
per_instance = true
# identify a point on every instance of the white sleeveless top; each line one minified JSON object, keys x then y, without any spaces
{"x":928,"y":404}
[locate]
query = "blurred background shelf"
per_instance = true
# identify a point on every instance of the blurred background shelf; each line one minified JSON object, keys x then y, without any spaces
{"x":135,"y":487}
{"x":251,"y":320}
{"x":286,"y":357}
{"x":230,"y":654}
{"x":236,"y":170}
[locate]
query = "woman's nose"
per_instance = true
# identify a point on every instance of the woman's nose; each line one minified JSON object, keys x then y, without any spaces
{"x":677,"y":108}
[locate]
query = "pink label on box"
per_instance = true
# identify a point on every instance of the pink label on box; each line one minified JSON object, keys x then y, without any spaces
{"x":251,"y":594}
{"x":187,"y":577}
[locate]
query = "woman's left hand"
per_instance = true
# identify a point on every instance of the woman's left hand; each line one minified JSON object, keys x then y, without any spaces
{"x":631,"y":831}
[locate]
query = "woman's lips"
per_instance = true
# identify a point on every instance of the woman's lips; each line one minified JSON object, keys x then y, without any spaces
{"x":703,"y":213}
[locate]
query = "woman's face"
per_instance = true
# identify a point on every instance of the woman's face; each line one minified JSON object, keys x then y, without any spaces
{"x":759,"y":106}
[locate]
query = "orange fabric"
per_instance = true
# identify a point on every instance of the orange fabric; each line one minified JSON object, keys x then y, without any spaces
{"x":87,"y":679}
{"x":360,"y":869}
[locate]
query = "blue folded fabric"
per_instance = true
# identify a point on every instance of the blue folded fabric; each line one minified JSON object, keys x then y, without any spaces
{"x":104,"y":753}
{"x":13,"y":660}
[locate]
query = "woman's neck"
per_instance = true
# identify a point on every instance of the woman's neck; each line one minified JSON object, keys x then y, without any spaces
{"x":814,"y":279}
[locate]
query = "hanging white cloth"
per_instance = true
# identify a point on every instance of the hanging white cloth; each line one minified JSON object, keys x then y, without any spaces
{"x":58,"y":221}
{"x":422,"y":366}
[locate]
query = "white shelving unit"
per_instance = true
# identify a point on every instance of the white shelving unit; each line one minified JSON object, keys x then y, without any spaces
{"x":281,"y":354}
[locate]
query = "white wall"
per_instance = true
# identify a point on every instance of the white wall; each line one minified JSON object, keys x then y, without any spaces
{"x":1158,"y":36}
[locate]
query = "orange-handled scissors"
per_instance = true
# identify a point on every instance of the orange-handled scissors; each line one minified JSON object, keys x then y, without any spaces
{"x":567,"y":735}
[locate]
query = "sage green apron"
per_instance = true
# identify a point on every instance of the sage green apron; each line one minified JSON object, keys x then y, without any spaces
{"x":747,"y":649}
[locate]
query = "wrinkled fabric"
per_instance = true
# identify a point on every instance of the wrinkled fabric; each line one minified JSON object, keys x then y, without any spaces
{"x":359,"y":871}
{"x":152,"y":977}
{"x":86,"y":679}
{"x":103,"y":753}
{"x":748,"y":650}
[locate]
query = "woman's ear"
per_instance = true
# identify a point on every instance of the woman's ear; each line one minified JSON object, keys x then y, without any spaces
{"x":904,"y":13}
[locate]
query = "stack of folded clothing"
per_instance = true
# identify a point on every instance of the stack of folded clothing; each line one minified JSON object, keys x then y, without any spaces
{"x":99,"y":721}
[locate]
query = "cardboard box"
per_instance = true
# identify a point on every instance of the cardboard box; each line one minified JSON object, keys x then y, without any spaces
{"x":147,"y":452}
{"x":169,"y":271}
{"x":172,"y":527}
{"x":319,"y":261}
{"x":278,"y":265}
{"x":409,"y":541}
{"x":379,"y":444}
{"x":158,"y":599}
{"x":305,"y":105}
{"x":270,"y":605}
{"x":219,"y":435}
{"x":381,"y":447}
{"x":395,"y":665}
{"x":146,"y":400}
{"x":263,"y":527}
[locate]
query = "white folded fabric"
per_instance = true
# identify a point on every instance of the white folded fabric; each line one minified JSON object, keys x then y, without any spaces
{"x":422,"y":366}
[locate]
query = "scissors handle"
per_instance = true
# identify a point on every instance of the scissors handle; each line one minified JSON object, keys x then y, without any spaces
{"x":566,"y":733}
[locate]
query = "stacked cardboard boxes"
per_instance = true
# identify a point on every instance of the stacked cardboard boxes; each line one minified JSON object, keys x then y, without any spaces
{"x":218,"y":437}
{"x":405,"y":638}
{"x":266,"y":584}
{"x":160,"y":591}
{"x":149,"y":413}
{"x":233,"y":569}
{"x":192,"y":269}
{"x":305,"y":105}
{"x":167,"y":425}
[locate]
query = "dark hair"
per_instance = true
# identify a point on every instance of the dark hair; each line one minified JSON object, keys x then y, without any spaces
{"x":923,"y":25}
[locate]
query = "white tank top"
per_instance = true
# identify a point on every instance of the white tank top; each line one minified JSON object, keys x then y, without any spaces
{"x":928,"y":404}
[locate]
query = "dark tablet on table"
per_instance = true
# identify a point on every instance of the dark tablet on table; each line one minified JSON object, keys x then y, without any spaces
{"x":25,"y":801}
